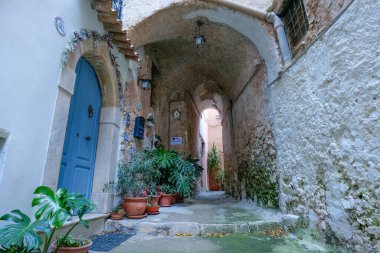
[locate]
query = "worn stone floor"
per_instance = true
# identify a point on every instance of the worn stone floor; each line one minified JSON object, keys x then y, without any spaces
{"x":214,"y":223}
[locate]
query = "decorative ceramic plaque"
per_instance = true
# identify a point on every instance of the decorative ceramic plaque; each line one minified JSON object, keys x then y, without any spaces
{"x":60,"y":25}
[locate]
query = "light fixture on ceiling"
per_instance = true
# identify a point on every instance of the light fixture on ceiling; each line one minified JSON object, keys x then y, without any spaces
{"x":146,"y":83}
{"x":199,"y":39}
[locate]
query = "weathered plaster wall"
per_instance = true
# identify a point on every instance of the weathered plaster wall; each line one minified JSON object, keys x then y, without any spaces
{"x":137,"y":10}
{"x":325,"y":112}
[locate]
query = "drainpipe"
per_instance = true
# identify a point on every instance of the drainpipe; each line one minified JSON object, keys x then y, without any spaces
{"x":281,"y":36}
{"x":269,"y":17}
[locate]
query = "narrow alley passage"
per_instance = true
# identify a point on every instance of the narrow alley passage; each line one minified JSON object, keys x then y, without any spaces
{"x":212,"y":222}
{"x":190,"y":126}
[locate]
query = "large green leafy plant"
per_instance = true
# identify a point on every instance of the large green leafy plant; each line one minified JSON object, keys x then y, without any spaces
{"x":177,"y":170}
{"x":53,"y":210}
{"x":149,"y":169}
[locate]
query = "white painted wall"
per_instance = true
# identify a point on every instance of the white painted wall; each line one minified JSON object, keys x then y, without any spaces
{"x":204,"y":134}
{"x":30,"y":64}
{"x":214,"y":131}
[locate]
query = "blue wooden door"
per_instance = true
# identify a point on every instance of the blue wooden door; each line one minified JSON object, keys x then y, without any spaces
{"x":79,"y":151}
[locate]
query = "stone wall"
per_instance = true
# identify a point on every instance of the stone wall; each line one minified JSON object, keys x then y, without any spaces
{"x":136,"y":103}
{"x":325,"y":110}
{"x":250,"y":167}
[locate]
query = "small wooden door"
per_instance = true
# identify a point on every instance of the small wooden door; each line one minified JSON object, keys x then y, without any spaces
{"x":79,"y":151}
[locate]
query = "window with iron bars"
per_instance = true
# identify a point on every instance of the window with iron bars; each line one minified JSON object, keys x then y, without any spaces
{"x":295,"y":20}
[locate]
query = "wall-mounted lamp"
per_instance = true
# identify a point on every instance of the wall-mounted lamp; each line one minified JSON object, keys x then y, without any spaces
{"x":199,"y":39}
{"x":146,"y":83}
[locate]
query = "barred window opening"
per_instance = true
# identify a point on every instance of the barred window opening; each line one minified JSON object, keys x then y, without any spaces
{"x":295,"y":20}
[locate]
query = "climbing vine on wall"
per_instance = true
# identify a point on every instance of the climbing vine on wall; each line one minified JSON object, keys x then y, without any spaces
{"x":85,"y":34}
{"x":256,"y":175}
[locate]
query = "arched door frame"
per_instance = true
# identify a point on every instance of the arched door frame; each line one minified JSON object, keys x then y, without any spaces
{"x":97,"y":54}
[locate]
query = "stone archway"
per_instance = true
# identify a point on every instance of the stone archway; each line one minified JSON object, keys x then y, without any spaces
{"x":97,"y":54}
{"x":231,"y":72}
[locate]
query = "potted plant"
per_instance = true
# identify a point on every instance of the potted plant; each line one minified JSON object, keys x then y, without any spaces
{"x":53,"y":210}
{"x":214,"y":167}
{"x":153,"y":198}
{"x":177,"y":170}
{"x":220,"y":179}
{"x":166,"y":195}
{"x":135,"y":178}
{"x":179,"y":198}
{"x":131,"y":188}
{"x":71,"y":244}
{"x":117,"y":213}
{"x":152,"y":207}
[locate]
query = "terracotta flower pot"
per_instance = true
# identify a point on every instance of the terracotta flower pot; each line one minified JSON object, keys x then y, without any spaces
{"x":215,"y":187}
{"x":179,"y":198}
{"x":116,"y":216}
{"x":166,"y":200}
{"x":155,"y":200}
{"x":135,"y":207}
{"x":81,"y":249}
{"x":152,"y":210}
{"x":174,"y":198}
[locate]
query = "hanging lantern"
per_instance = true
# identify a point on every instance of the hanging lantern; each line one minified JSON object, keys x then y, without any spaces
{"x":146,"y":83}
{"x":199,"y":39}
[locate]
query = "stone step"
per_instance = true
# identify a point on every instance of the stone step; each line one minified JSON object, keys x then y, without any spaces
{"x":123,"y":44}
{"x":122,"y":36}
{"x":108,"y":17}
{"x":289,"y":222}
{"x":102,"y":5}
{"x":114,"y":27}
{"x":128,"y":51}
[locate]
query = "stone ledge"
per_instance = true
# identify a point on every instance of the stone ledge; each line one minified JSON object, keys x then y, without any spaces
{"x":87,"y":217}
{"x":289,"y":222}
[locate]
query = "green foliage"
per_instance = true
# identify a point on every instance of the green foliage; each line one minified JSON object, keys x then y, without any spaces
{"x":177,"y":170}
{"x":70,"y":241}
{"x":22,"y":234}
{"x":51,"y":206}
{"x":258,"y":184}
{"x":213,"y":159}
{"x":130,"y":183}
{"x":17,"y":249}
{"x":168,"y":189}
{"x":150,"y":168}
{"x":214,"y":165}
{"x":117,"y":209}
{"x":52,"y":211}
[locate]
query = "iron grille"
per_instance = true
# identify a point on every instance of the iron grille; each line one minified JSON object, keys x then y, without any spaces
{"x":295,"y":20}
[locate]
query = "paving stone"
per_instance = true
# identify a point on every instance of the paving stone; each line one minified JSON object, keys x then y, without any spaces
{"x":262,"y":226}
{"x":291,"y":222}
{"x":217,"y":228}
{"x":242,"y":229}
